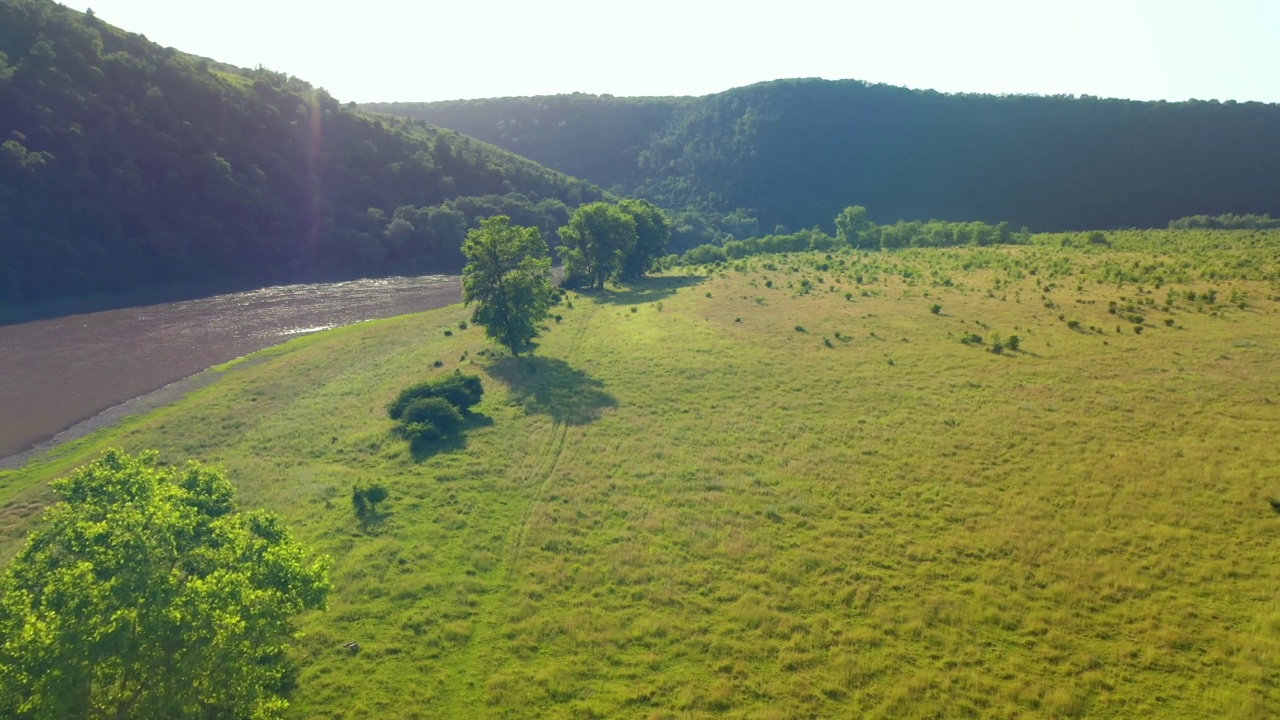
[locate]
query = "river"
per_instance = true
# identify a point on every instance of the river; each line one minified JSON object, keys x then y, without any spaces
{"x":57,"y":372}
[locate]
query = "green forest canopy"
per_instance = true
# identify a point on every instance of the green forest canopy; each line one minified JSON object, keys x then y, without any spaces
{"x":789,"y":154}
{"x":125,"y":165}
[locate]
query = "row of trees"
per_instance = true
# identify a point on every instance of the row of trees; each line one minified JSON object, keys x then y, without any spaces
{"x":508,"y":271}
{"x":854,"y":230}
{"x":605,"y":240}
{"x":1225,"y":222}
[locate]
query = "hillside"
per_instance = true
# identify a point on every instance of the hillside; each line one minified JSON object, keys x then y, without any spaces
{"x":125,"y":165}
{"x":796,"y":152}
{"x":790,"y":486}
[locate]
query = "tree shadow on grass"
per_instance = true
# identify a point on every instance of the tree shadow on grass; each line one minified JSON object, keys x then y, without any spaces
{"x":549,"y":386}
{"x":372,"y":520}
{"x":423,"y":449}
{"x":646,"y":290}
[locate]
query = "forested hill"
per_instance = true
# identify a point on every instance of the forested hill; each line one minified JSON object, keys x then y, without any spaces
{"x":795,"y":152}
{"x":588,"y":136}
{"x":125,"y":165}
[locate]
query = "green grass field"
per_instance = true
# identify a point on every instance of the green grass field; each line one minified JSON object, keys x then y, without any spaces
{"x":785,"y":488}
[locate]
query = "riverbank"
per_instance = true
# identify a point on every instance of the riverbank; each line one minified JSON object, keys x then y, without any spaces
{"x":63,"y":371}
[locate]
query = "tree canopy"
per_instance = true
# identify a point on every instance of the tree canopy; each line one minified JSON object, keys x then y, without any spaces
{"x":508,"y":278}
{"x":595,"y":243}
{"x":776,"y":157}
{"x":125,"y":165}
{"x":146,"y":595}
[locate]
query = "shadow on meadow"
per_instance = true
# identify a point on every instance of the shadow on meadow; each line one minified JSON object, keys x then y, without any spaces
{"x":647,"y":290}
{"x":550,"y":386}
{"x":423,"y":448}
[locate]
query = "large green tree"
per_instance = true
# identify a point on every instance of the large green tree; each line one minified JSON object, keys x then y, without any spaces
{"x":595,"y":242}
{"x":508,"y":277}
{"x":146,"y":595}
{"x":653,"y":230}
{"x":851,"y":228}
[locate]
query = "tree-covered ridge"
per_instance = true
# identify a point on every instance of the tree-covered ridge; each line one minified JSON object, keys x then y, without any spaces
{"x":793,"y":153}
{"x":598,"y":137}
{"x":126,"y":165}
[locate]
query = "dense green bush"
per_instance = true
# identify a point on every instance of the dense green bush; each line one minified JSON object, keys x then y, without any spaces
{"x":435,"y":411}
{"x":461,"y":391}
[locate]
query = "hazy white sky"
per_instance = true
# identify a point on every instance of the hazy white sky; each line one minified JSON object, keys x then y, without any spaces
{"x":429,"y":50}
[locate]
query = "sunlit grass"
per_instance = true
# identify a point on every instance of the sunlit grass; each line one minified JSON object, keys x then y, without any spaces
{"x":684,"y":507}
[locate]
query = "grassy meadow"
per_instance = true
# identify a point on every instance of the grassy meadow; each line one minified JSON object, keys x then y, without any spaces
{"x":784,"y":487}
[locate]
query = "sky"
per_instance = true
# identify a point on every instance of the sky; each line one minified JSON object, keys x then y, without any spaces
{"x":402,"y":50}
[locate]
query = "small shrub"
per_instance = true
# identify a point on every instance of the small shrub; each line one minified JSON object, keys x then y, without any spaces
{"x":1168,"y":322}
{"x":935,"y":308}
{"x":569,"y":304}
{"x":997,"y":348}
{"x":1137,"y":329}
{"x":462,"y":325}
{"x":827,"y":342}
{"x":448,"y":333}
{"x":1073,"y":324}
{"x":420,"y":432}
{"x":848,"y":296}
{"x":438,"y":363}
{"x":558,"y":318}
{"x":1013,"y":343}
{"x":800,"y":328}
{"x":434,"y":411}
{"x":708,"y":293}
{"x":634,"y":309}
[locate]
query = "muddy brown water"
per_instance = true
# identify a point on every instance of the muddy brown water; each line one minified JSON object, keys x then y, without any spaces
{"x":56,"y":373}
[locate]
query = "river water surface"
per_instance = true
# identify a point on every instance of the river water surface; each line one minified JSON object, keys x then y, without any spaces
{"x":55,"y":373}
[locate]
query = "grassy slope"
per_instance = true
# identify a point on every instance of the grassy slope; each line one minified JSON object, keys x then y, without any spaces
{"x":676,"y":514}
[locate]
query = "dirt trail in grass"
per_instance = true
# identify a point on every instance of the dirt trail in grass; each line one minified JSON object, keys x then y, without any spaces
{"x":463,"y":692}
{"x":543,"y":472}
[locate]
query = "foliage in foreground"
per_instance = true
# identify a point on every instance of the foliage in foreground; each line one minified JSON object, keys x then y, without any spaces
{"x":146,"y":595}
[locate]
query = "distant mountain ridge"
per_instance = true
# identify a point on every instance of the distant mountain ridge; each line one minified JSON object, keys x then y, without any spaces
{"x":125,"y":165}
{"x":795,"y":152}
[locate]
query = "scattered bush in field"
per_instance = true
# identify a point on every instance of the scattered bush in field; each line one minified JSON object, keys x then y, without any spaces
{"x":971,"y":339}
{"x":1013,"y":343}
{"x":1073,"y":324}
{"x":365,"y":496}
{"x":435,"y":411}
{"x":827,"y":342}
{"x":448,"y":333}
{"x":634,"y":309}
{"x":800,"y":328}
{"x":848,"y":296}
{"x":1168,"y":322}
{"x":708,"y":294}
{"x":1137,"y":329}
{"x":935,"y":308}
{"x":997,"y":348}
{"x":558,"y":318}
{"x":461,"y":391}
{"x":462,"y":325}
